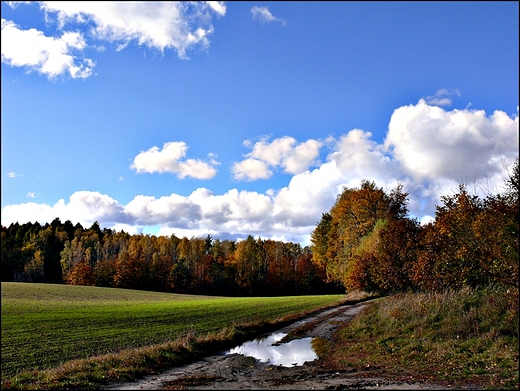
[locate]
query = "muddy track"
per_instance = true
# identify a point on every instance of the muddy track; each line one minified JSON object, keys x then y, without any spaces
{"x":236,"y":371}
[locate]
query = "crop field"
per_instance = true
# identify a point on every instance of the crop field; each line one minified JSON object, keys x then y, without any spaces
{"x":45,"y":325}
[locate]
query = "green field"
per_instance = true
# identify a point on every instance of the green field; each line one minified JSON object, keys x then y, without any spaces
{"x":45,"y":325}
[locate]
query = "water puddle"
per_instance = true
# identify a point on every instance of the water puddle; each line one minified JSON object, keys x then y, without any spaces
{"x":295,"y":352}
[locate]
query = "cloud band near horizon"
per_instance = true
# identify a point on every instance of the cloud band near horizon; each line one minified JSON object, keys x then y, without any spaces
{"x":428,"y":149}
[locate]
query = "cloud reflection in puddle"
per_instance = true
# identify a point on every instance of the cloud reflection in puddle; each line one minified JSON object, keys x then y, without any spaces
{"x":295,"y":352}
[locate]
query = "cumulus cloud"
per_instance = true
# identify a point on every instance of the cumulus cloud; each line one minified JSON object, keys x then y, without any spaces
{"x":263,"y":14}
{"x":417,"y":153}
{"x":218,"y":6}
{"x":233,"y":212}
{"x":284,"y":152}
{"x":355,"y":153}
{"x":431,"y":143}
{"x":159,"y":25}
{"x":251,"y":170}
{"x":429,"y":154}
{"x":12,"y":174}
{"x":49,"y":56}
{"x":173,"y":210}
{"x":84,"y":206}
{"x":169,"y":160}
{"x":179,"y":26}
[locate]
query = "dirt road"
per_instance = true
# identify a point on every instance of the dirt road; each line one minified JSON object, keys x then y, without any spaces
{"x":235,"y":371}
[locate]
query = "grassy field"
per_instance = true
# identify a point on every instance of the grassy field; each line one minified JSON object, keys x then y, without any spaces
{"x":88,"y":335}
{"x":45,"y":326}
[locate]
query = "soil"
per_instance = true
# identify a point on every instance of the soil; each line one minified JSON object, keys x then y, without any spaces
{"x":238,"y":372}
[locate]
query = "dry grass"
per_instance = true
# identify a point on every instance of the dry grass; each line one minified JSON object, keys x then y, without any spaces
{"x":358,"y":296}
{"x":460,"y":337}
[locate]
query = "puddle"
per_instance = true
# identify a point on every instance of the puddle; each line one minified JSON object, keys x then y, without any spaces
{"x":293,"y":353}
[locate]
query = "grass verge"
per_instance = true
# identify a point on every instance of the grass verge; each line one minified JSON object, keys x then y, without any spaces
{"x":458,"y":338}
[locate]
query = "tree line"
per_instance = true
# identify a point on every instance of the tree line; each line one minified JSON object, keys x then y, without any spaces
{"x":367,"y":241}
{"x":66,"y":253}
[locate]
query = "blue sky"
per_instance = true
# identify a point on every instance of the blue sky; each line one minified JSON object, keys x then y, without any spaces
{"x":244,"y":118}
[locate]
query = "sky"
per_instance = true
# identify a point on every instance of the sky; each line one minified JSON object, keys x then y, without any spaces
{"x":232,"y":119}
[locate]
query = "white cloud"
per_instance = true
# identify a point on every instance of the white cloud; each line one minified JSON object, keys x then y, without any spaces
{"x":431,"y":143}
{"x":235,"y":212}
{"x":29,"y":211}
{"x":359,"y":156}
{"x":159,"y":25}
{"x":418,"y":153}
{"x":84,"y":207}
{"x":47,"y":55}
{"x":264,"y":15}
{"x":427,"y":219}
{"x":92,"y":206}
{"x":284,"y":152}
{"x":169,"y":160}
{"x":298,"y":206}
{"x":175,"y":209}
{"x":218,"y":6}
{"x":232,"y":208}
{"x":251,"y":170}
{"x":179,"y":26}
{"x":301,"y":157}
{"x":12,"y":174}
{"x":442,"y":97}
{"x":31,"y":194}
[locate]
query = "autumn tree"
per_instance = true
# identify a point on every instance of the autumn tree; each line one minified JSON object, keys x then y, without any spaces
{"x":180,"y":272}
{"x":384,"y":258}
{"x":104,"y":257}
{"x":472,"y":242}
{"x":69,"y":256}
{"x":348,"y":240}
{"x":34,"y":270}
{"x":280,"y":263}
{"x":249,"y":262}
{"x":507,"y":206}
{"x":163,"y":257}
{"x":452,"y":254}
{"x":223,"y":272}
{"x":51,"y":243}
{"x":80,"y":274}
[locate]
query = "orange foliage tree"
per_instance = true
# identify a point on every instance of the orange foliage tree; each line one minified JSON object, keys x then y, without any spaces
{"x":452,"y":253}
{"x":472,"y":242}
{"x":361,"y":242}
